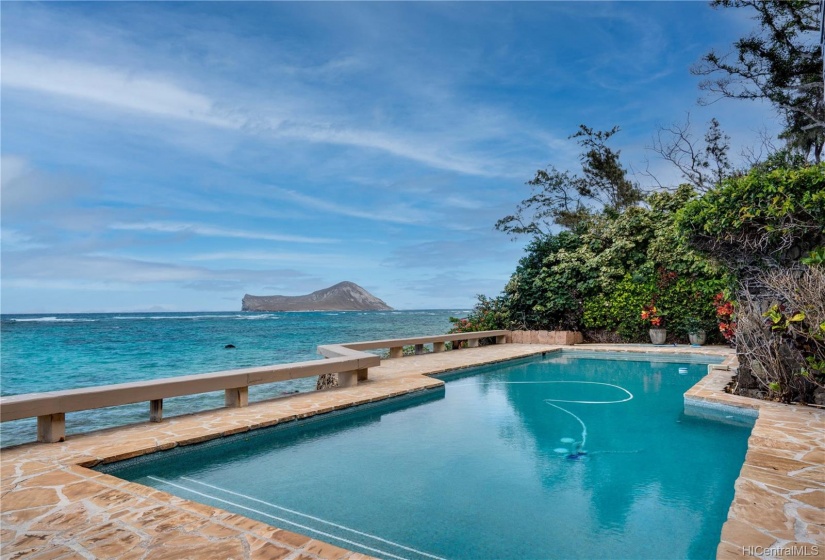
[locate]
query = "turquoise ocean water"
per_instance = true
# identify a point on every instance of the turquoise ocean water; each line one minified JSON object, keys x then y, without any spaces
{"x":51,"y":352}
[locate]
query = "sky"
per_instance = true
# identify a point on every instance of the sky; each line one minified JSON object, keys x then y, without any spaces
{"x":175,"y":156}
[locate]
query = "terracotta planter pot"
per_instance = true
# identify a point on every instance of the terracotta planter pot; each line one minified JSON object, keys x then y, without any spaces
{"x":657,"y":336}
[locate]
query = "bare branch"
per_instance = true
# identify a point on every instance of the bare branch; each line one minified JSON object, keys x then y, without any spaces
{"x":701,"y":167}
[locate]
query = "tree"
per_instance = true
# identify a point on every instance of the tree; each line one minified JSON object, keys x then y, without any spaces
{"x":566,"y":200}
{"x":558,"y":199}
{"x":702,"y":167}
{"x":781,"y":62}
{"x":604,"y":177}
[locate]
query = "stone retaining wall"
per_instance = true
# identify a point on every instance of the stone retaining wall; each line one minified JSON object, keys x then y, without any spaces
{"x":566,"y":338}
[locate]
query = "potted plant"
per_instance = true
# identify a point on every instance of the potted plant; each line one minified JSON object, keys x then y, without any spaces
{"x":695,"y":331}
{"x":657,"y":332}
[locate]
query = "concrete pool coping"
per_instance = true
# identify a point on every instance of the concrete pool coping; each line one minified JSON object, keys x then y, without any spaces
{"x":52,"y":505}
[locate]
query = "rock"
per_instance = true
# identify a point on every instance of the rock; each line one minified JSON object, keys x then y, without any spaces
{"x":228,"y":346}
{"x":326,"y":381}
{"x":753,"y":393}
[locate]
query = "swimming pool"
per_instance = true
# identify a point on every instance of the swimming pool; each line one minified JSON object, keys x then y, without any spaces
{"x":567,"y":456}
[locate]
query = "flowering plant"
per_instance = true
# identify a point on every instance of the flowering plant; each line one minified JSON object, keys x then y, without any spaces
{"x":652,"y":314}
{"x":725,"y":313}
{"x":462,"y":325}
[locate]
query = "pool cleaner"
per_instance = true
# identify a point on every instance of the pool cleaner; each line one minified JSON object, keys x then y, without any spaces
{"x":578,"y":450}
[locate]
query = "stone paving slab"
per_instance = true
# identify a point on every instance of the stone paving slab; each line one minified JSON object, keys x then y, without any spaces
{"x":53,"y":506}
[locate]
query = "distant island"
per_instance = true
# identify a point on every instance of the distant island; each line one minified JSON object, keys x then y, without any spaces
{"x":344,"y":296}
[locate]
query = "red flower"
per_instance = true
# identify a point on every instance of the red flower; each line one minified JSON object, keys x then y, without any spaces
{"x":650,"y":313}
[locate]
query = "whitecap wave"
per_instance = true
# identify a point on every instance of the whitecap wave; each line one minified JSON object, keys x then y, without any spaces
{"x":166,"y":317}
{"x":52,"y":320}
{"x":171,"y":317}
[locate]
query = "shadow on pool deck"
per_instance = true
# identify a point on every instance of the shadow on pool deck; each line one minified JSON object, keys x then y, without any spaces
{"x":54,"y":506}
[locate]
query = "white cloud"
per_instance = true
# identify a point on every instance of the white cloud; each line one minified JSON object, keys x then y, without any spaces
{"x":395,"y":214}
{"x":108,"y":86}
{"x":24,"y":187}
{"x":428,"y":151}
{"x":213,"y":231}
{"x":14,"y":240}
{"x":77,"y":270}
{"x":324,"y":260}
{"x":466,"y":203}
{"x":290,"y":118}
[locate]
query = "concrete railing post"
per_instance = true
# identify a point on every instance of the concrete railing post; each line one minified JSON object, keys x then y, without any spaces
{"x":51,"y":428}
{"x":237,"y":397}
{"x":156,"y":410}
{"x":363,"y":374}
{"x":439,"y":346}
{"x":472,"y":343}
{"x":396,"y":352}
{"x":348,"y":378}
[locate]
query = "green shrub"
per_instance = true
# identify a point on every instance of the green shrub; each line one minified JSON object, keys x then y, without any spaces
{"x":619,"y":310}
{"x":489,"y":314}
{"x":683,"y":302}
{"x":535,"y":300}
{"x":759,"y":216}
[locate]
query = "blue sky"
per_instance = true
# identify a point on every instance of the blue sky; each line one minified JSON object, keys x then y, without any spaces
{"x":174,"y":156}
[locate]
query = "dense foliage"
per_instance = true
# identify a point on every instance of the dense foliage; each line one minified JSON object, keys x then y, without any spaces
{"x":489,"y":314}
{"x":766,"y":226}
{"x":598,"y":278}
{"x":760,"y":216}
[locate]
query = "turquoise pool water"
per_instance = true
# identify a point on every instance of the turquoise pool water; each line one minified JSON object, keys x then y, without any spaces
{"x":566,"y":456}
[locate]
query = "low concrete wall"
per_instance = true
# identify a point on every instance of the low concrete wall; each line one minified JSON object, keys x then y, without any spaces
{"x":565,"y":338}
{"x":347,"y":362}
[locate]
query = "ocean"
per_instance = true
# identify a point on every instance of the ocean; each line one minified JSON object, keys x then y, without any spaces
{"x":52,"y":352}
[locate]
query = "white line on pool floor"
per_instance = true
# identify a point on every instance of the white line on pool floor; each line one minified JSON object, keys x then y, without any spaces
{"x":551,"y":402}
{"x":304,"y":527}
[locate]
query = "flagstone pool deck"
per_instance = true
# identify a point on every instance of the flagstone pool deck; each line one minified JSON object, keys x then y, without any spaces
{"x":54,"y":506}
